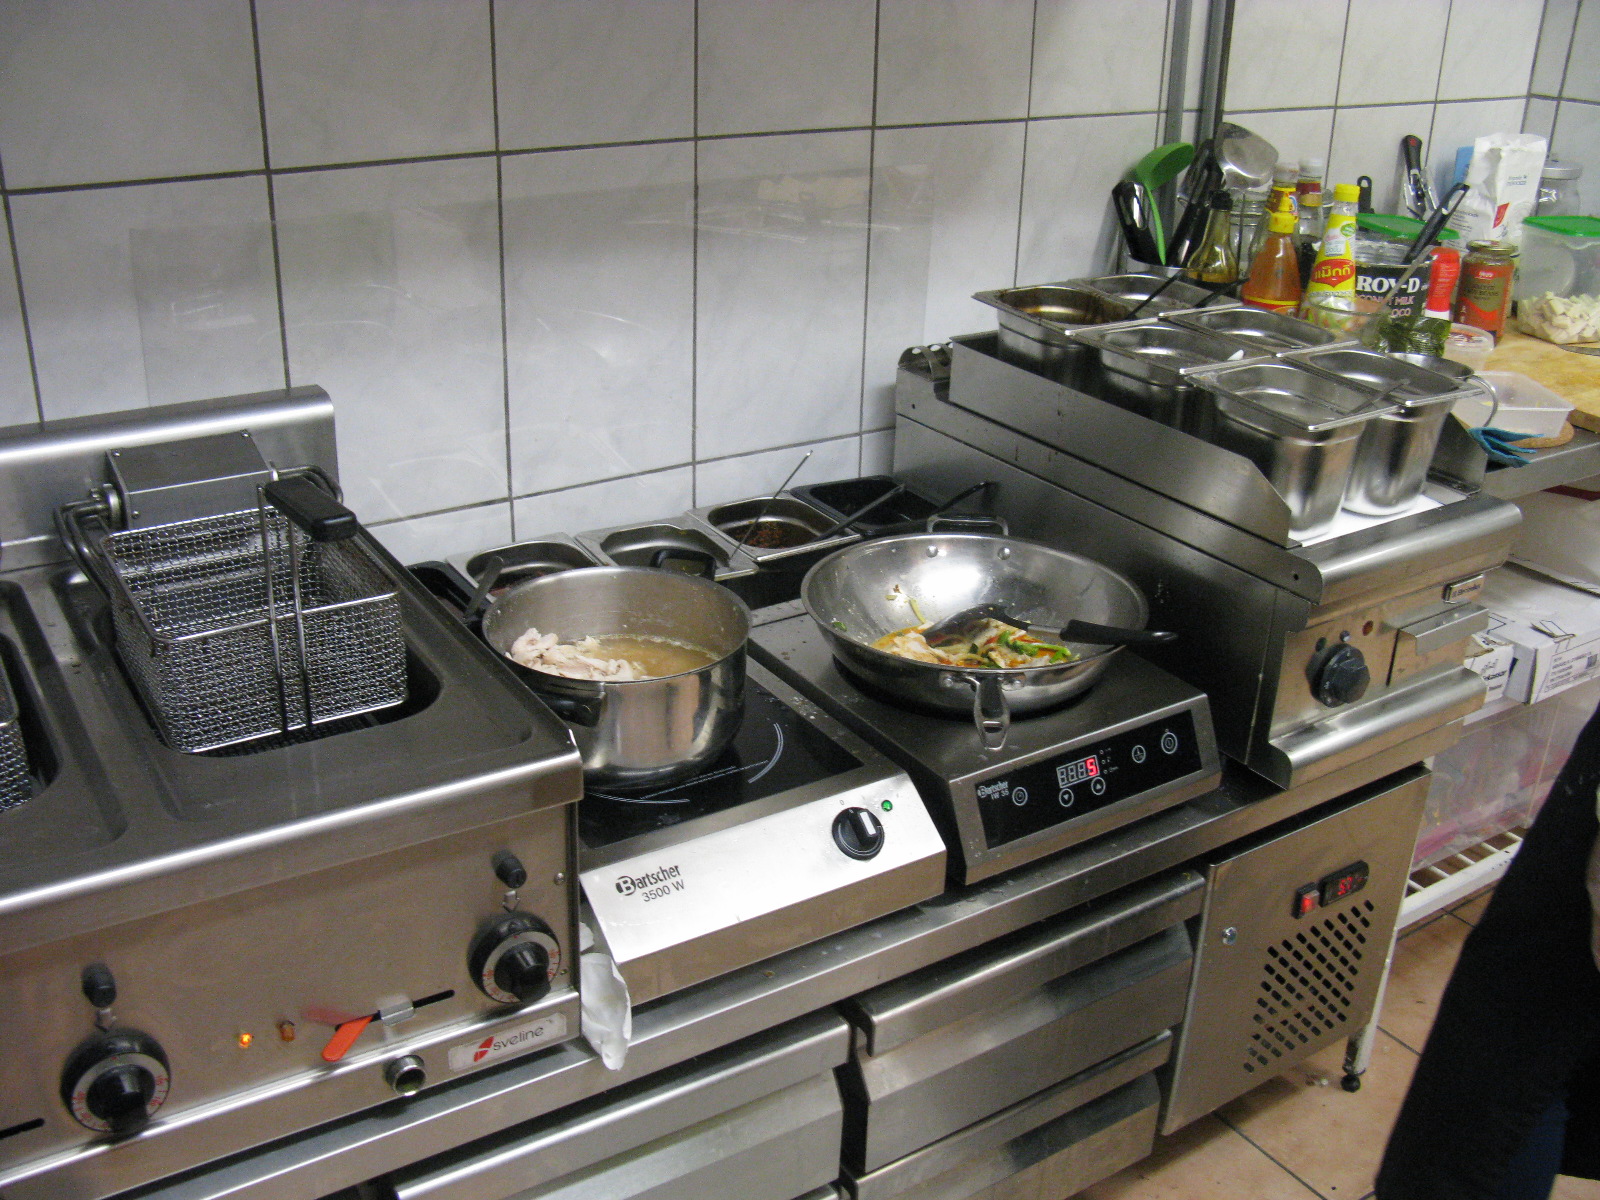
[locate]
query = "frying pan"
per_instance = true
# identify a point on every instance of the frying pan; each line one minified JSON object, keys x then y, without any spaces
{"x":859,"y":593}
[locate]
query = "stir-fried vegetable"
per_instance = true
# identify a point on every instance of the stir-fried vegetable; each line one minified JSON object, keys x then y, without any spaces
{"x":994,"y":644}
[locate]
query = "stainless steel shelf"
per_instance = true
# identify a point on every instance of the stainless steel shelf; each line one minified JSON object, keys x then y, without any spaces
{"x":1578,"y":459}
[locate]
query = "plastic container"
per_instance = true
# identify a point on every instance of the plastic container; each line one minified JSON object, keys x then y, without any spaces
{"x":1518,"y":405}
{"x":1560,"y":255}
{"x":1558,"y":190}
{"x":1469,"y":345}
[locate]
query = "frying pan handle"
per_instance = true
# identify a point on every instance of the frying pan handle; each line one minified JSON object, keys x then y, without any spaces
{"x":990,"y":712}
{"x":968,"y":523}
{"x":1115,"y":635}
{"x":705,"y":564}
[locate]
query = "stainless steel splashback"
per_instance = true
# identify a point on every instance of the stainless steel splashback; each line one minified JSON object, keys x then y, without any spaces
{"x":45,"y":466}
{"x":1206,"y":538}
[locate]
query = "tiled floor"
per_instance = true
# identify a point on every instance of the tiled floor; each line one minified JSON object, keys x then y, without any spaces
{"x":1301,"y":1136}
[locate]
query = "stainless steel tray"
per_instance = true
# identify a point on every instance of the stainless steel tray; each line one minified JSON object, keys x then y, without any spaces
{"x":543,"y":555}
{"x":1158,"y":353}
{"x":786,"y":515}
{"x":1262,"y":331}
{"x":637,"y":545}
{"x":1291,"y":399}
{"x":1131,"y":289}
{"x":1406,"y":384}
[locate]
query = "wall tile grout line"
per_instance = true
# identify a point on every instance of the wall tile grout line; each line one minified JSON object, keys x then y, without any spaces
{"x":500,"y":236}
{"x":694,"y":257}
{"x":272,"y":196}
{"x":1027,"y":130}
{"x":866,"y":274}
{"x":22,"y":299}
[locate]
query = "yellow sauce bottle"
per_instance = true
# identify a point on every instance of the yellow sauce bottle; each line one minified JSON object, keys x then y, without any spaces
{"x":1334,"y":272}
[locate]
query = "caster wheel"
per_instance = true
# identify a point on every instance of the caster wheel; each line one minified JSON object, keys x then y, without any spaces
{"x":1351,"y":1083}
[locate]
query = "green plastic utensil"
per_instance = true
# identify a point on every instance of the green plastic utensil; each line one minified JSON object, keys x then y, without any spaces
{"x":1155,"y":170}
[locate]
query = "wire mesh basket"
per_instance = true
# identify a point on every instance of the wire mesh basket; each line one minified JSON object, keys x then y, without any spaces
{"x":16,"y":781}
{"x":238,"y":626}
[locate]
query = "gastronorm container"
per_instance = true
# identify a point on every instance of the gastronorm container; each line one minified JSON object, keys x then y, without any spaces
{"x":839,"y":498}
{"x":1511,"y":401}
{"x":791,"y":527}
{"x":1134,"y":289}
{"x":677,"y":544}
{"x":1147,"y":367}
{"x":1262,"y":332}
{"x":1300,"y":428}
{"x":1396,"y":447}
{"x":1036,"y":322}
{"x":531,"y":559}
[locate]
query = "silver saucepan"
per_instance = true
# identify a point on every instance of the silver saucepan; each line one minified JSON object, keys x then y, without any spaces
{"x":861,"y":592}
{"x":646,"y":732}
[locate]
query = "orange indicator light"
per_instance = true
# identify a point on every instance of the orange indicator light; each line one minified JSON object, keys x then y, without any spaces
{"x":245,"y":1039}
{"x":286,"y":1030}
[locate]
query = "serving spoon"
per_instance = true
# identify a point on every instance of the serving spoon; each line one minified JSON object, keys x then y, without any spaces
{"x":960,"y":626}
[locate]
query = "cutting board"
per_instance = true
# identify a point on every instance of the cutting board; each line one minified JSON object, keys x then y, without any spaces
{"x":1574,"y":377}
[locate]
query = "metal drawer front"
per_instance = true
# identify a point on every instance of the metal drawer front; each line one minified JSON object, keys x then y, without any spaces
{"x":1058,"y":1158}
{"x":643,"y":1117}
{"x":1270,"y":988}
{"x":773,"y":1149}
{"x":960,"y":1154}
{"x":946,"y":1079}
{"x":995,"y":975}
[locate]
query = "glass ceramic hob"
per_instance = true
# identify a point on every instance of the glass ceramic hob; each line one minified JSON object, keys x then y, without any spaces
{"x":775,"y":751}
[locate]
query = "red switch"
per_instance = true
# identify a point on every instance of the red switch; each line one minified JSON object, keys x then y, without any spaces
{"x":1305,"y":899}
{"x":344,"y":1037}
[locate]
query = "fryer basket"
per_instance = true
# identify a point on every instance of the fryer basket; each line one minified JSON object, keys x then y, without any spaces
{"x":214,"y":663}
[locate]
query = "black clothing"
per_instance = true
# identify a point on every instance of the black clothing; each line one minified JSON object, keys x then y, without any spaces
{"x":1519,"y":1024}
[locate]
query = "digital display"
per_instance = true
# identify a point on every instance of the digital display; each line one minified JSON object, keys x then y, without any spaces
{"x":1077,"y":772}
{"x":1025,"y":800}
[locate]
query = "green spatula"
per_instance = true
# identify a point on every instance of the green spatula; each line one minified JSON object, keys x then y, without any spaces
{"x":1157,"y":169}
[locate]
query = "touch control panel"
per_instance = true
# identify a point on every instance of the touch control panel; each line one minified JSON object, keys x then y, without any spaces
{"x":1045,"y":793}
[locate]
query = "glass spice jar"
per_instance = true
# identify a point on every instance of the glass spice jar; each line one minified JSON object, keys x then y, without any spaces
{"x":1486,"y":277}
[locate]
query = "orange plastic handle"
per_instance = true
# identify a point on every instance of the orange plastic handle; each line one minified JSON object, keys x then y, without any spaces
{"x":343,"y":1038}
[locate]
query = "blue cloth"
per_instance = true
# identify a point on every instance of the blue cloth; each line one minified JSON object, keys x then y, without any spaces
{"x":1497,"y":445}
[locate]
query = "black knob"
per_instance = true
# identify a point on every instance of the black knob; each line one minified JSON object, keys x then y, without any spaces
{"x":514,"y":958}
{"x":858,"y":833}
{"x":1342,"y":676}
{"x":113,"y":1082}
{"x":99,"y":986}
{"x":524,"y":971}
{"x":509,"y":869}
{"x":121,"y":1097}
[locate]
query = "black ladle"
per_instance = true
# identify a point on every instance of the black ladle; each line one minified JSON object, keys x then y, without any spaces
{"x":957,"y":628}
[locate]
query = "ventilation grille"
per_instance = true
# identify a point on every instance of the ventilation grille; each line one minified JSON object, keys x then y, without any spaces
{"x":1308,"y":983}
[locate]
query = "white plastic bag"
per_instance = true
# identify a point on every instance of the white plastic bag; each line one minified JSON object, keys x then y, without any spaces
{"x":607,"y":1008}
{"x":1503,"y":185}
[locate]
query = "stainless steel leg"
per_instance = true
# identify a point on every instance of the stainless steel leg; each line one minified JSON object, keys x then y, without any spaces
{"x":1358,"y":1050}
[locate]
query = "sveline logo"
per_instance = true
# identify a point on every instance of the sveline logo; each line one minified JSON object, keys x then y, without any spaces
{"x":517,"y":1040}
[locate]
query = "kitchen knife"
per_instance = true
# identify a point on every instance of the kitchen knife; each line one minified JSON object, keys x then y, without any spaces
{"x":1364,"y":182}
{"x":1435,"y":222}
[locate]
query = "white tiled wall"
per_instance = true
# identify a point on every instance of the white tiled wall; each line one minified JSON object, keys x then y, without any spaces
{"x":1345,"y":80}
{"x":1565,"y":95}
{"x":569,"y":263}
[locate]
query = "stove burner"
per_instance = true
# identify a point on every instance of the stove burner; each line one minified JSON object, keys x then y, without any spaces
{"x":775,"y":750}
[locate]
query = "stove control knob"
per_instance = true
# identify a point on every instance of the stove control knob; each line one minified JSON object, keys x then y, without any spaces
{"x":115,"y":1082}
{"x":514,"y":959}
{"x":858,"y":833}
{"x":1342,"y":677}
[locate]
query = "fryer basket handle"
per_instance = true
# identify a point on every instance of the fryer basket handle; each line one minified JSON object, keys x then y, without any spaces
{"x":322,"y":517}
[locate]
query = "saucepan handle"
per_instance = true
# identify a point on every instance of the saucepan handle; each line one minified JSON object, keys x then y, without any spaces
{"x":576,"y":710}
{"x":968,"y":523}
{"x":990,"y":712}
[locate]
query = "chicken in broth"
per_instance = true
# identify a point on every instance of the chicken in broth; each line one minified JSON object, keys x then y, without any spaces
{"x":612,"y":658}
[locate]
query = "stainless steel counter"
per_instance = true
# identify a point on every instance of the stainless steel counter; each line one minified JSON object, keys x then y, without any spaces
{"x":778,"y":991}
{"x":1578,"y":459}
